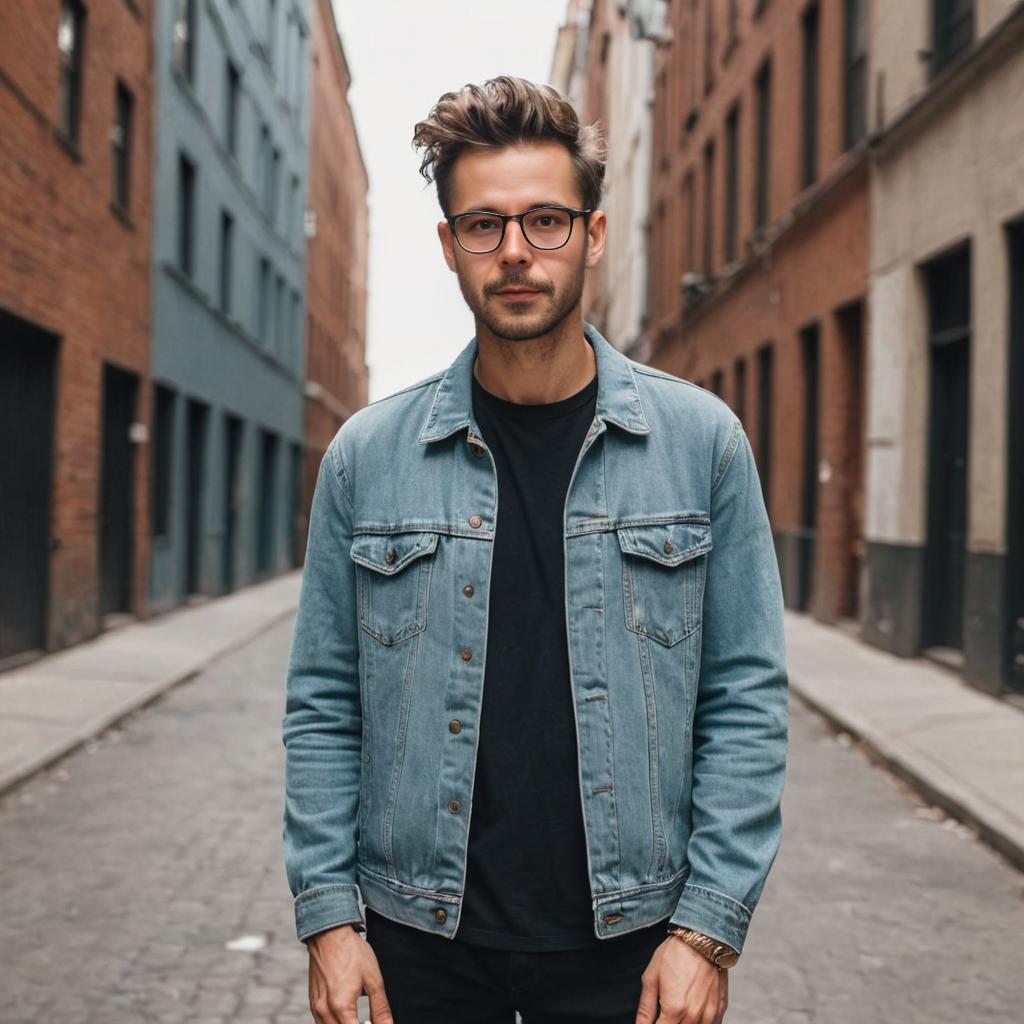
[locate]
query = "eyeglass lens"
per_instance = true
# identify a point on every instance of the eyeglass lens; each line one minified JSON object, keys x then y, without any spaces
{"x":546,"y":228}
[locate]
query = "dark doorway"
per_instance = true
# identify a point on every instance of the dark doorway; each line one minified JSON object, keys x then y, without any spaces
{"x":850,"y":325}
{"x":949,"y":301}
{"x":117,"y":490}
{"x":28,"y":363}
{"x":195,"y":461}
{"x":294,"y":505}
{"x":809,"y":352}
{"x":232,"y":497}
{"x":267,"y":523}
{"x":765,"y":392}
{"x":1014,"y":464}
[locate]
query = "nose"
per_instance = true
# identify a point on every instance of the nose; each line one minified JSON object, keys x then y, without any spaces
{"x":514,"y":246}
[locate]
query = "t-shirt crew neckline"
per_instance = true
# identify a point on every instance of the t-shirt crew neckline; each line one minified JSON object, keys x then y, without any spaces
{"x":542,"y":410}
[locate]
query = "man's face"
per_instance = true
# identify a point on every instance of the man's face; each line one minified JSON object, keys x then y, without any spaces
{"x":512,"y":180}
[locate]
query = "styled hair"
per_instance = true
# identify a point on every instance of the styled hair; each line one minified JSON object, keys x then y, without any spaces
{"x":502,"y":112}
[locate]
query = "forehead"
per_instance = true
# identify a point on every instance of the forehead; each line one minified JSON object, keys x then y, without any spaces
{"x":514,"y":178}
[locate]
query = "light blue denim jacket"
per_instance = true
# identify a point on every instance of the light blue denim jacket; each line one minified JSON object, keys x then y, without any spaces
{"x":676,"y":648}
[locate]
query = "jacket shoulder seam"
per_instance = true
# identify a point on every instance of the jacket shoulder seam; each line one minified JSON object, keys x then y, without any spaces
{"x":727,"y":456}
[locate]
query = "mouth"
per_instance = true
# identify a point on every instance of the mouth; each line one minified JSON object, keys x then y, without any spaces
{"x":518,"y":294}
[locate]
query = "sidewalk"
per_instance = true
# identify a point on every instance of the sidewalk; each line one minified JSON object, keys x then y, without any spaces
{"x":963,"y":750}
{"x":958,"y":747}
{"x":57,"y":702}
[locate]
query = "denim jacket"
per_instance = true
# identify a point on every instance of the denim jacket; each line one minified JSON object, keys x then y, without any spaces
{"x":673,"y":613}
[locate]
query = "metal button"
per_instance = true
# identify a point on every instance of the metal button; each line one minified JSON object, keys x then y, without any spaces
{"x":440,"y":916}
{"x":467,"y":654}
{"x":468,"y":590}
{"x":454,"y":806}
{"x":668,"y":547}
{"x":476,"y":522}
{"x":455,"y":725}
{"x":389,"y":557}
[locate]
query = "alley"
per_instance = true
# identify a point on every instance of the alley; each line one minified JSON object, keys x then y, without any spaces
{"x":131,"y":867}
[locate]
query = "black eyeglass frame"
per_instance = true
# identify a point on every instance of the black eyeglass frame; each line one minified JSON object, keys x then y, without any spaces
{"x":518,"y":217}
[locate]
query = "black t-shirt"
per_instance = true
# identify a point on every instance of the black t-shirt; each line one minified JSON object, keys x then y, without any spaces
{"x":527,"y":885}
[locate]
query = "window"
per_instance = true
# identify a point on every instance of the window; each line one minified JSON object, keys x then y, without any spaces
{"x":717,"y":382}
{"x":739,"y":389}
{"x":764,"y":139}
{"x":183,"y":40}
{"x":232,"y":90}
{"x":273,"y":187}
{"x":295,"y":341}
{"x":186,"y":213}
{"x":953,"y":30}
{"x":709,"y":209}
{"x":732,"y":183}
{"x":69,"y":46}
{"x":855,"y":71}
{"x":294,"y":213}
{"x":271,"y":30}
{"x":263,"y":299}
{"x":227,"y":242}
{"x":121,"y":144}
{"x":709,"y":46}
{"x":163,"y":446}
{"x":280,"y":317}
{"x":810,"y":96}
{"x":690,"y":205}
{"x":764,"y":420}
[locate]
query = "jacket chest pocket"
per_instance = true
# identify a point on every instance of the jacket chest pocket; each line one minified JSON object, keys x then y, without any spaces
{"x":393,"y":582}
{"x":663,"y":570}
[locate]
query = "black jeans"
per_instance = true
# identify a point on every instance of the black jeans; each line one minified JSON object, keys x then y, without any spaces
{"x":429,"y":979}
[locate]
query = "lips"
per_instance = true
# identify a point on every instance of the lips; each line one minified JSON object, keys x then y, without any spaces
{"x":519,"y":291}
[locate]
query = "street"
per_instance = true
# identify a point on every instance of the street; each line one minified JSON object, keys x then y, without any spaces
{"x":132,"y":867}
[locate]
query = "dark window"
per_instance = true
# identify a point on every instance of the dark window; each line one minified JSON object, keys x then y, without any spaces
{"x":764,"y":141}
{"x":163,"y":447}
{"x":280,"y":317}
{"x":709,"y":45}
{"x":953,"y":30}
{"x":121,"y":144}
{"x":263,"y":300}
{"x":717,"y":382}
{"x":294,"y":213}
{"x":70,"y":34}
{"x":186,"y":213}
{"x":227,"y":242}
{"x":295,"y":325}
{"x":739,"y":389}
{"x":709,"y":209}
{"x":273,"y":189}
{"x":184,"y":41}
{"x":855,"y":72}
{"x":732,"y":183}
{"x":764,"y":420}
{"x":263,"y":162}
{"x":232,"y":90}
{"x":271,"y":30}
{"x":810,"y":96}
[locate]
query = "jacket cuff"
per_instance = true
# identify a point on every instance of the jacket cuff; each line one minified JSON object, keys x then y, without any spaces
{"x":327,"y":906}
{"x":712,"y":913}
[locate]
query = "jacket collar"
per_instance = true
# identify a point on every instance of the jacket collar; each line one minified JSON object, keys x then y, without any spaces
{"x":618,"y":398}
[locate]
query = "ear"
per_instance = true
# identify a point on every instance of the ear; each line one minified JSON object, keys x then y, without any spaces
{"x":596,"y":233}
{"x":447,"y":244}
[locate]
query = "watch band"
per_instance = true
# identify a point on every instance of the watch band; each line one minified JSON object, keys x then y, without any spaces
{"x":718,"y":953}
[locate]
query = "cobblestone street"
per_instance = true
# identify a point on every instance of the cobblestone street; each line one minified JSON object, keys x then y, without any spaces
{"x":133,"y":865}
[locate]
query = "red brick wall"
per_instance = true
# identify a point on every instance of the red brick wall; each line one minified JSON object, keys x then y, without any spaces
{"x":337,"y":256}
{"x":71,"y":265}
{"x":815,"y":266}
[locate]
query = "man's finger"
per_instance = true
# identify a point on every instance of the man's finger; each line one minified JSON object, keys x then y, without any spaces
{"x":380,"y":1009}
{"x":648,"y":1005}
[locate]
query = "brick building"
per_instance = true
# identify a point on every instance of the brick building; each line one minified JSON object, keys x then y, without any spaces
{"x":945,"y":521}
{"x":758,"y":255}
{"x":75,"y":165}
{"x":337,"y":379}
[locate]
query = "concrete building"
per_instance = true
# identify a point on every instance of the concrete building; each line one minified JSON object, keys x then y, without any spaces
{"x":758,"y":258}
{"x":75,"y":131}
{"x":337,"y":379}
{"x":229,"y":282}
{"x":618,"y":95}
{"x":945,"y":426}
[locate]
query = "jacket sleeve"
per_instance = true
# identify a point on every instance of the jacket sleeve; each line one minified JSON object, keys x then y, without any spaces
{"x":322,"y":726}
{"x":741,"y":717}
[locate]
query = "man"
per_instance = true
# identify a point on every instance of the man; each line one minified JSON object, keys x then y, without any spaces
{"x":540,"y":593}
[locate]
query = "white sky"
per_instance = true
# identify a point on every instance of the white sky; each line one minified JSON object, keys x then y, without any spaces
{"x":403,"y":55}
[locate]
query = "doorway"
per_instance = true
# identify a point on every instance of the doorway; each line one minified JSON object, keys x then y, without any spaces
{"x":195,"y":458}
{"x":232,"y":497}
{"x":1014,"y":462}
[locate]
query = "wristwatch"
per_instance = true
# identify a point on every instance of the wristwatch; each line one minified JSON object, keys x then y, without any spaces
{"x":721,"y":955}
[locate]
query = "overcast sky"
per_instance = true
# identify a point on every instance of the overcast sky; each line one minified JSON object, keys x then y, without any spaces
{"x":403,"y":55}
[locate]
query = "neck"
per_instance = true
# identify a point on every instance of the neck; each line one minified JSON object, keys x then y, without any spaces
{"x":536,"y":371}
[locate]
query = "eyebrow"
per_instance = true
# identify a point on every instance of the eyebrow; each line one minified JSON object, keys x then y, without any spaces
{"x":532,"y":206}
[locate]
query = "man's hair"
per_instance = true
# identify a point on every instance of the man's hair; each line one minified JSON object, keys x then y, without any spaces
{"x":502,"y":112}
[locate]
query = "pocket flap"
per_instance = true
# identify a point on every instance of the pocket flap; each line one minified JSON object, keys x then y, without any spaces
{"x":389,"y":553}
{"x":667,"y":543}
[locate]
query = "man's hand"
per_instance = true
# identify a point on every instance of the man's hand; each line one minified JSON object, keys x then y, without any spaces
{"x":687,"y":986}
{"x":342,"y":966}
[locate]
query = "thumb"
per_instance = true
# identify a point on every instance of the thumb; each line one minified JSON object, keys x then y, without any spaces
{"x":648,"y":1006}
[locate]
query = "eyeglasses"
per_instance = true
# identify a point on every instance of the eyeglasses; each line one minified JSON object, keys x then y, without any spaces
{"x":544,"y":227}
